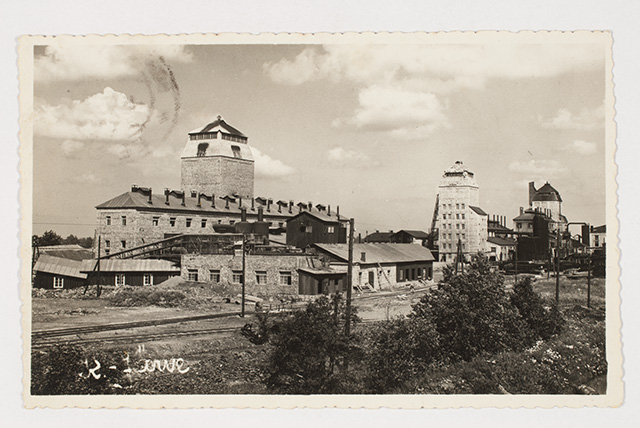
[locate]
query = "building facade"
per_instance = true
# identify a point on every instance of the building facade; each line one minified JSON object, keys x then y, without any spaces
{"x":548,"y":201}
{"x":308,"y":227}
{"x":460,"y":219}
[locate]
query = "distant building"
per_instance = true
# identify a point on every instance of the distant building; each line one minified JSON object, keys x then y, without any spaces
{"x":460,"y":219}
{"x":321,"y":227}
{"x":58,"y":272}
{"x":534,"y":229}
{"x":598,"y":236}
{"x":379,"y":237}
{"x":501,"y":249}
{"x":379,"y":265}
{"x":135,"y":272}
{"x":548,"y":200}
{"x":410,"y":237}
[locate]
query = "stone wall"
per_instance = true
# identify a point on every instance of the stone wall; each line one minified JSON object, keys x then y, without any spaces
{"x":218,"y":175}
{"x":226,"y":264}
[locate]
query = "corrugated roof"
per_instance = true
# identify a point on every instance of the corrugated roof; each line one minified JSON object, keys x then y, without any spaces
{"x":59,"y":266}
{"x":600,"y":229}
{"x":137,"y":200}
{"x":418,"y":234}
{"x":501,"y":241}
{"x":478,"y":210}
{"x":380,"y":252}
{"x":130,"y":265}
{"x":73,"y":254}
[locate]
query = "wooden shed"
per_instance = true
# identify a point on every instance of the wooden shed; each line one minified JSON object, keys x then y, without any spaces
{"x":57,"y":273}
{"x":321,"y":281}
{"x":129,"y":271}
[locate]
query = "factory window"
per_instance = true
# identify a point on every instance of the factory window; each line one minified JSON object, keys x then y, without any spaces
{"x":462,"y":205}
{"x":108,"y":218}
{"x":464,"y":236}
{"x":155,"y":221}
{"x":528,"y":225}
{"x":106,"y":252}
{"x":119,"y":279}
{"x":464,"y":246}
{"x":124,"y":220}
{"x":285,"y":277}
{"x":192,"y":274}
{"x":308,"y":229}
{"x":458,"y":216}
{"x":123,"y":243}
{"x":202,"y":149}
{"x":147,"y":279}
{"x":58,"y":282}
{"x":261,"y":277}
{"x":457,"y":225}
{"x":232,"y":221}
{"x":194,"y":194}
{"x":172,"y":221}
{"x":519,"y":225}
{"x":463,"y":225}
{"x":237,"y":277}
{"x":188,"y":222}
{"x":463,"y":216}
{"x":107,"y":243}
{"x":457,"y":206}
{"x":219,"y":221}
{"x":330,"y":229}
{"x":214,"y":275}
{"x":236,"y":152}
{"x":203,"y":223}
{"x":449,"y":236}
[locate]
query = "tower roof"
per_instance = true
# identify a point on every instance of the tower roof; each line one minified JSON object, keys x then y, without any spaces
{"x":458,"y":168}
{"x":218,"y":125}
{"x":547,"y":193}
{"x":458,"y":175}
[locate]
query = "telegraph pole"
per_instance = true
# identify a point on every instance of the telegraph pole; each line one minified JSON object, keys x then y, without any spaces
{"x":347,"y":327}
{"x":558,"y":265}
{"x":588,"y":278}
{"x":244,"y":268}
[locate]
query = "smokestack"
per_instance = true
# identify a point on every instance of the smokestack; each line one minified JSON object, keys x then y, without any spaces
{"x":268,"y":205}
{"x":359,"y":238}
{"x":213,"y":200}
{"x":532,"y":192}
{"x":184,"y":196}
{"x":260,"y":213}
{"x":243,"y":214}
{"x":166,"y":196}
{"x":338,"y":212}
{"x":329,"y":210}
{"x":310,"y":206}
{"x":150,"y":195}
{"x":253,"y":204}
{"x":240,"y":203}
{"x":290,"y":206}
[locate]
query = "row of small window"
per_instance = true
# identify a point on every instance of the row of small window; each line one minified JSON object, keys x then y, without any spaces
{"x":449,"y":246}
{"x":327,"y":229}
{"x":450,"y":226}
{"x":236,"y":277}
{"x":147,"y":279}
{"x":123,"y":220}
{"x":519,"y":225}
{"x":458,"y":206}
{"x":450,"y":216}
{"x":155,"y":221}
{"x":462,"y":236}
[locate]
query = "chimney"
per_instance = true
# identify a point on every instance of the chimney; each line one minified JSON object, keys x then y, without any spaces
{"x":290,"y":206}
{"x":329,"y":210}
{"x":338,"y":212}
{"x":166,"y":196}
{"x":521,"y":210}
{"x":359,"y":238}
{"x":243,"y":214}
{"x":226,"y":206}
{"x":260,"y":213}
{"x":199,"y":205}
{"x":532,"y":192}
{"x":310,"y":206}
{"x":253,"y":204}
{"x":240,"y":202}
{"x":213,"y":200}
{"x":184,"y":195}
{"x":363,"y":256}
{"x":279,"y":208}
{"x":150,"y":195}
{"x":134,"y":187}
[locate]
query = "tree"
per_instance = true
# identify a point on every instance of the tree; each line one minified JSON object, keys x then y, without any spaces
{"x":310,"y":352}
{"x":472,"y":313}
{"x":543,"y":317}
{"x":49,"y":238}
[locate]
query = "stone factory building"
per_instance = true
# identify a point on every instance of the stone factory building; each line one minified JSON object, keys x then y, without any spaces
{"x":460,"y":219}
{"x":217,"y":179}
{"x":548,"y":201}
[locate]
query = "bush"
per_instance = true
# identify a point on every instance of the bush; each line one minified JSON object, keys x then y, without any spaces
{"x":543,"y":317}
{"x":310,"y":352}
{"x":472,"y":313}
{"x":132,"y":296}
{"x":64,"y":370}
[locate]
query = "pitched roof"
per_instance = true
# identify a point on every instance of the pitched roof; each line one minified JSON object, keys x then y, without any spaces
{"x":322,"y":216}
{"x":59,"y":266}
{"x":600,"y":229}
{"x":503,"y":242}
{"x":74,"y":252}
{"x":380,"y":252}
{"x":418,"y":234}
{"x":494,"y":226}
{"x":478,"y":210}
{"x":130,"y":265}
{"x":139,"y":200}
{"x":547,"y":193}
{"x":218,"y":125}
{"x":378,"y":237}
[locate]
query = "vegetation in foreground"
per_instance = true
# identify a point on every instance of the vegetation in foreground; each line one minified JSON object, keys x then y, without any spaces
{"x":469,"y":336}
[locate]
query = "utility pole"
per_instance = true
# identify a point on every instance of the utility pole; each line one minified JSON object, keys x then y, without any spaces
{"x":347,"y":327}
{"x":244,"y":268}
{"x":515,"y":263}
{"x":588,"y":278}
{"x":558,"y":265}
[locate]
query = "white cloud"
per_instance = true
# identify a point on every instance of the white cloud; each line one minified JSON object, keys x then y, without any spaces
{"x":585,"y":120}
{"x":119,"y":150}
{"x":267,"y":167}
{"x":340,"y":156}
{"x":582,"y":147}
{"x":70,"y":60}
{"x":541,"y":169}
{"x":104,"y":116}
{"x":70,"y":148}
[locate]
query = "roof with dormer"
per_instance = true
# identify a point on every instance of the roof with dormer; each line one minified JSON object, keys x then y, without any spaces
{"x":458,"y":168}
{"x":218,"y":125}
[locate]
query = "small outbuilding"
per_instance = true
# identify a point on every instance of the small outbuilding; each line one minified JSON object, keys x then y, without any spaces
{"x":57,"y":273}
{"x":129,"y":271}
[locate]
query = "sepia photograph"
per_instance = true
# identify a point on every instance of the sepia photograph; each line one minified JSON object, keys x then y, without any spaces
{"x":279,"y":220}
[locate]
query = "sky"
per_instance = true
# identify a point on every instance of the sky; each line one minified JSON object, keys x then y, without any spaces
{"x":368,"y":127}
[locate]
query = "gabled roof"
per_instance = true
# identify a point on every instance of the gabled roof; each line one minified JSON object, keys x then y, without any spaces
{"x":322,"y":216}
{"x":130,"y":265}
{"x":418,"y":234}
{"x":218,"y":125}
{"x":73,"y":251}
{"x":478,"y":210}
{"x":59,"y":266}
{"x":379,"y":252}
{"x":503,"y":242}
{"x":547,"y":193}
{"x":378,"y":237}
{"x":600,"y":229}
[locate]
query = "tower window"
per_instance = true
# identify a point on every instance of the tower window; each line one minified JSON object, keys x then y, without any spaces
{"x":202,"y":149}
{"x":236,"y":152}
{"x":108,"y":220}
{"x":188,"y":222}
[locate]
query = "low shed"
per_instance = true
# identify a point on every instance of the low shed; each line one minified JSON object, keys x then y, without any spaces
{"x":129,"y":271}
{"x":321,"y":281}
{"x":57,"y":273}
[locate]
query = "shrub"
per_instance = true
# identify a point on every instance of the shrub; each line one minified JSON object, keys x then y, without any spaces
{"x":310,"y":352}
{"x":543,"y":317}
{"x":146,"y":297}
{"x":472,"y":313}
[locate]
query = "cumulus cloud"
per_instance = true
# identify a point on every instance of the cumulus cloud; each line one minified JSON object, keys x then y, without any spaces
{"x":108,"y":115}
{"x":538,"y":169}
{"x":267,"y":167}
{"x":340,"y":156}
{"x":71,"y":148}
{"x":70,"y":60}
{"x":582,"y":147}
{"x":584,"y":120}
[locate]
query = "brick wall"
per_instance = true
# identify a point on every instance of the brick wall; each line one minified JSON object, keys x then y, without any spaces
{"x":227,"y":264}
{"x":218,"y":175}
